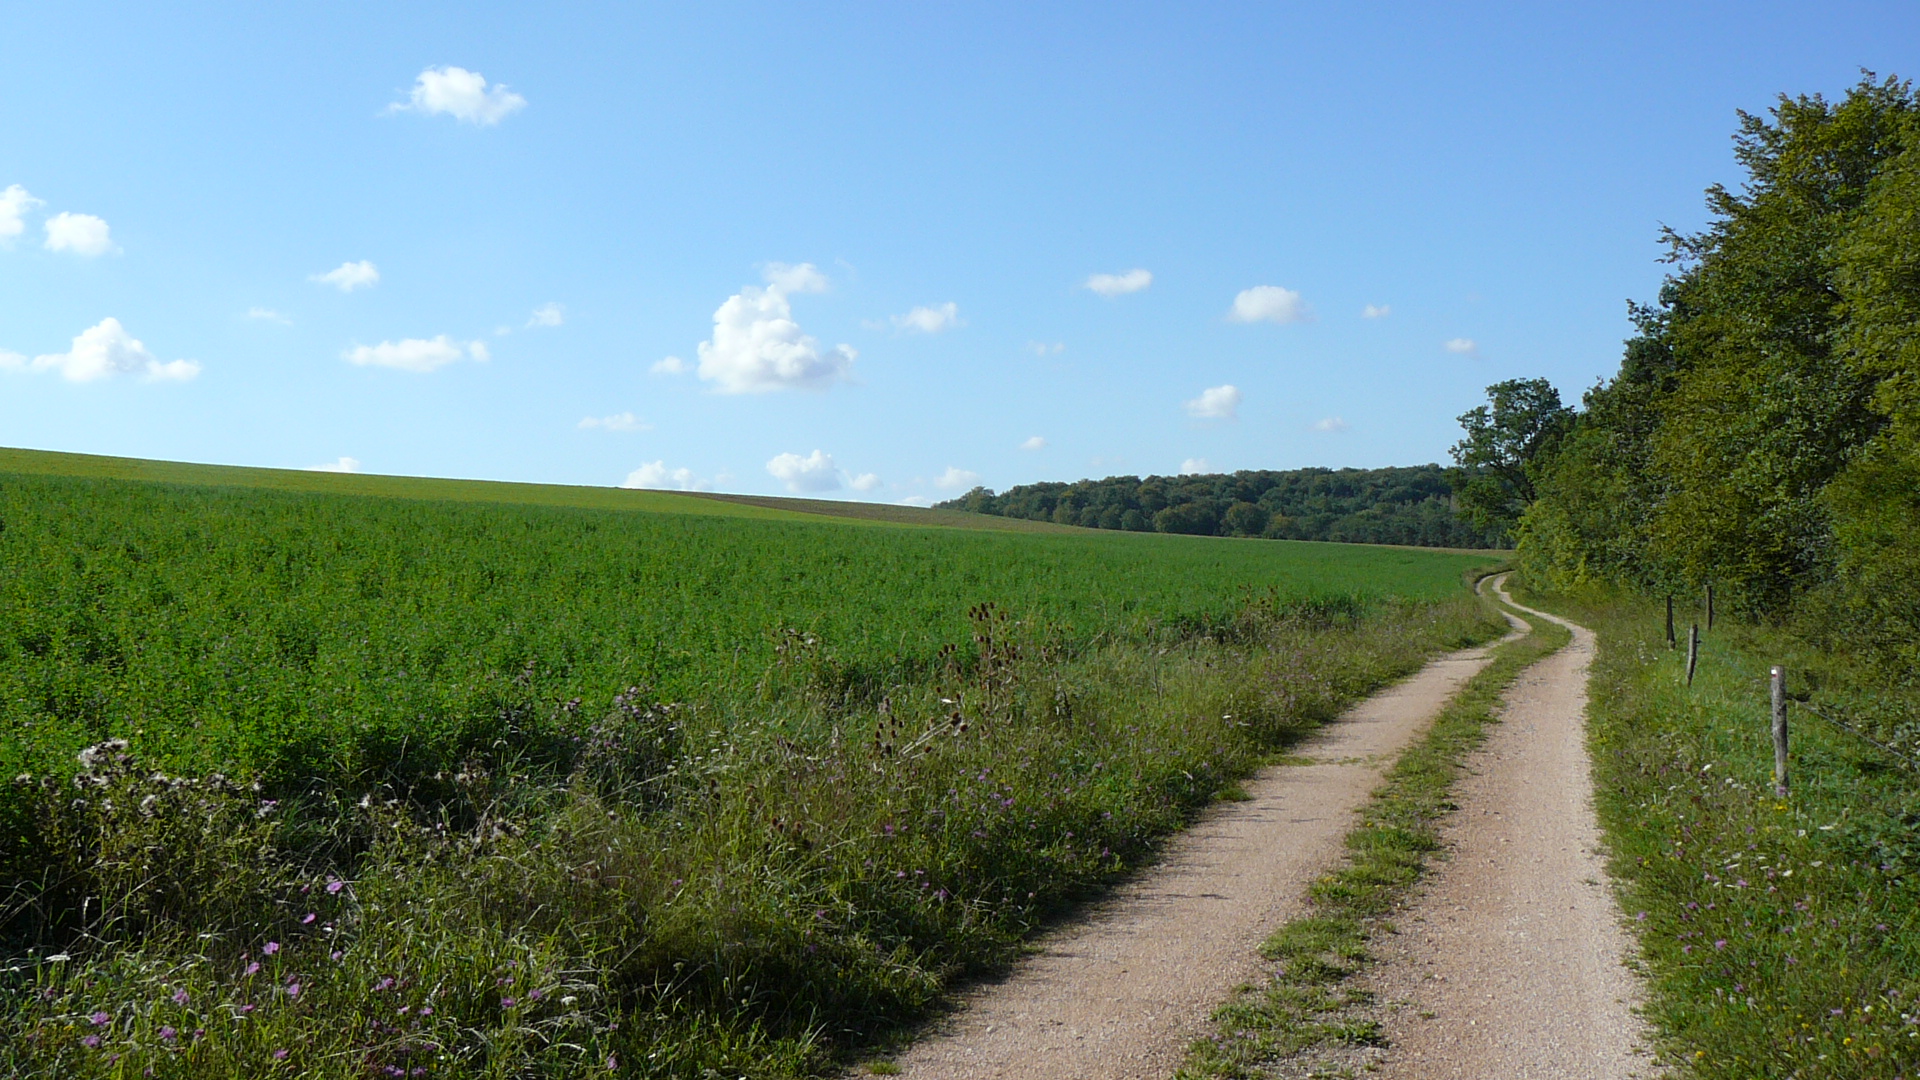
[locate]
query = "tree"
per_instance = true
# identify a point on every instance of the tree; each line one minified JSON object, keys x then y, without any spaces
{"x":1507,"y":441}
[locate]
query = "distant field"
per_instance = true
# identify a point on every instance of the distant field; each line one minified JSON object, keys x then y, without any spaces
{"x":267,"y":626}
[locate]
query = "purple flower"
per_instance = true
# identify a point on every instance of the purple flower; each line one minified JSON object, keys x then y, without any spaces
{"x":508,"y":1003}
{"x":91,"y":1042}
{"x":252,"y":969}
{"x":1720,"y":943}
{"x":335,"y":885}
{"x":335,"y":955}
{"x":180,"y":996}
{"x":309,"y":919}
{"x":426,"y":1010}
{"x":168,"y":1034}
{"x":270,"y":948}
{"x":100,"y":1019}
{"x":383,"y":984}
{"x":279,"y":1055}
{"x":293,"y":989}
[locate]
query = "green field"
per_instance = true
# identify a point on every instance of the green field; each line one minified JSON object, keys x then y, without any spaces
{"x":731,"y":786}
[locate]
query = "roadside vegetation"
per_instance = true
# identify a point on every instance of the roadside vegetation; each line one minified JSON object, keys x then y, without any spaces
{"x":1309,"y":1007}
{"x":321,"y":785}
{"x":1781,"y":937}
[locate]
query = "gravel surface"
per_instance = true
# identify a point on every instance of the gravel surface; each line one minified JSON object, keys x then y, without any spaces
{"x":1119,"y":993}
{"x":1512,"y":961}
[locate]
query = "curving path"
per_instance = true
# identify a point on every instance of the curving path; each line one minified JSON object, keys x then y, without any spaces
{"x":1119,"y":994}
{"x":1512,"y":961}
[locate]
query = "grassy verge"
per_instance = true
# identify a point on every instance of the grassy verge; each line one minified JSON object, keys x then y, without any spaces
{"x":757,"y":888}
{"x":1781,"y":937}
{"x":1310,"y":1003}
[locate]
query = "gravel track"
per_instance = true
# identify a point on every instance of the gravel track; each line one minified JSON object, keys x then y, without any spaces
{"x":1118,"y":994}
{"x":1511,"y":962}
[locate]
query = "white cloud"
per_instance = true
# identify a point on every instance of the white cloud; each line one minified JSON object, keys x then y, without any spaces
{"x":757,"y":346}
{"x":930,"y":320}
{"x":1112,"y":285}
{"x":1269,"y":303}
{"x":349,"y":276}
{"x":864,"y":482}
{"x":1331,"y":423}
{"x":625,"y":421}
{"x":1034,"y":443}
{"x":1376,"y":311}
{"x":345,"y":464}
{"x":671,"y":365}
{"x":82,"y":234}
{"x":920,"y":501}
{"x":1041,"y":348}
{"x":268,"y":315}
{"x":805,"y":278}
{"x":1194,"y":466}
{"x":14,"y":204}
{"x":461,"y":94}
{"x":103,"y":351}
{"x":547,"y":315}
{"x":1463,"y":346}
{"x":815,"y":472}
{"x":956,"y":478}
{"x":415,"y":354}
{"x":1216,"y":403}
{"x":656,"y":475}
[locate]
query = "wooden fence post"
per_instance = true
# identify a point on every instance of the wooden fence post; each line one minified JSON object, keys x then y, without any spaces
{"x":1670,"y":638}
{"x":1709,"y":605}
{"x":1779,"y":732}
{"x":1693,"y":650}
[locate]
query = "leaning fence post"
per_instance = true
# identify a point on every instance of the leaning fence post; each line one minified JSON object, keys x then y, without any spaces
{"x":1669,"y":620}
{"x":1693,"y":650}
{"x":1779,"y":731}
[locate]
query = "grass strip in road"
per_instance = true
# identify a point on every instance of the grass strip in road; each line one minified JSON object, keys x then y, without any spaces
{"x":1310,"y":1003}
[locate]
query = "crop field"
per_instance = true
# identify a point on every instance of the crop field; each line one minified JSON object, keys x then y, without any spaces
{"x":346,"y":775}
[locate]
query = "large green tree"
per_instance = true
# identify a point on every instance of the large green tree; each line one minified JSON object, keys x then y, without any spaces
{"x":1507,"y":441}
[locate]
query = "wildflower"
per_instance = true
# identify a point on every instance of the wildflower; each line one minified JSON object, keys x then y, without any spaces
{"x":508,"y":1003}
{"x":168,"y":1034}
{"x":252,"y":969}
{"x":180,"y":996}
{"x":100,"y":1019}
{"x":91,"y":1042}
{"x":293,"y":990}
{"x":335,"y":955}
{"x":383,"y":984}
{"x":309,"y":919}
{"x":279,"y":1055}
{"x":270,"y":948}
{"x":1720,"y":943}
{"x":335,"y":885}
{"x":426,"y":1010}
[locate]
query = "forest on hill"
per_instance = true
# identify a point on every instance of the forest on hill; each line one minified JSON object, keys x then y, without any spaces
{"x":1762,"y":435}
{"x":1411,"y":505}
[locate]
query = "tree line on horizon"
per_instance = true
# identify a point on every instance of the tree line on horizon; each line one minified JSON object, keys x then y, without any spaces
{"x":1400,"y":505}
{"x":1762,"y":435}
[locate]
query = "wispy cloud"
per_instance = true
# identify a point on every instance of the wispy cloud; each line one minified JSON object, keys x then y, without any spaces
{"x":1331,"y":423}
{"x":814,"y":473}
{"x":656,"y":475}
{"x":930,"y":320}
{"x":1269,"y":303}
{"x":1463,"y":347}
{"x":344,"y":465}
{"x":955,"y":479}
{"x":1216,"y":403}
{"x":81,"y":234}
{"x":349,"y":276}
{"x":1041,"y":348}
{"x":1034,"y":443}
{"x":1194,"y":466}
{"x":461,"y":94}
{"x":1112,"y":285}
{"x":1376,"y":311}
{"x":547,"y":315}
{"x":103,"y":351}
{"x":865,"y":482}
{"x":416,"y":354}
{"x":625,"y":421}
{"x":268,"y":315}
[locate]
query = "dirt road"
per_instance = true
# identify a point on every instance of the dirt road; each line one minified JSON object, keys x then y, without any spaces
{"x":1119,"y":994}
{"x":1510,"y":963}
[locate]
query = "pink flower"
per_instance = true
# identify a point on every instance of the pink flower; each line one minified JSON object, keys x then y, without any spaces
{"x":100,"y":1019}
{"x":335,"y":885}
{"x":252,"y":969}
{"x":508,"y":1003}
{"x":309,"y":919}
{"x":293,"y":989}
{"x":91,"y":1042}
{"x":168,"y":1034}
{"x":279,"y":1055}
{"x":180,"y":996}
{"x":270,"y":948}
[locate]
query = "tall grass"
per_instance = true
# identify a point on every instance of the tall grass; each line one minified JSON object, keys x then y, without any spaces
{"x":1781,"y":936}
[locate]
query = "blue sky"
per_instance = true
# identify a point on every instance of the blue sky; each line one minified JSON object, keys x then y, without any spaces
{"x":891,"y":249}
